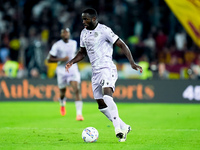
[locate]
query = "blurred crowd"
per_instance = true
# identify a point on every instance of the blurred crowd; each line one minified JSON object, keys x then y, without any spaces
{"x":155,"y":37}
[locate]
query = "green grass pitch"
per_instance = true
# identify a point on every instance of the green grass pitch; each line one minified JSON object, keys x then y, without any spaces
{"x":39,"y":126}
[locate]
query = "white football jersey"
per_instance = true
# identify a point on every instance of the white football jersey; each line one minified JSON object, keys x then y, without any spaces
{"x":99,"y":45}
{"x":60,"y":49}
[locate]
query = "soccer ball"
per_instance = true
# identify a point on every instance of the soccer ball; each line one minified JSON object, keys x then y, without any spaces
{"x":90,"y":134}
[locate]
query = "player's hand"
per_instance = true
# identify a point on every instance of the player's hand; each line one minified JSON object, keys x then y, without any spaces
{"x":136,"y":67}
{"x":68,"y":65}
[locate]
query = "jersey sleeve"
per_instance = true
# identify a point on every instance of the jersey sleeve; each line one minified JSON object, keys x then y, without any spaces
{"x":76,"y":46}
{"x":81,"y":40}
{"x":110,"y":35}
{"x":53,"y":50}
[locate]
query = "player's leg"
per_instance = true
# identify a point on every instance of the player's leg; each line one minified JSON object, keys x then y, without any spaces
{"x":99,"y":80}
{"x":104,"y":109}
{"x":108,"y":87}
{"x":107,"y":97}
{"x":98,"y":96}
{"x":78,"y":100}
{"x":62,"y":101}
{"x":121,"y":128}
{"x":61,"y":80}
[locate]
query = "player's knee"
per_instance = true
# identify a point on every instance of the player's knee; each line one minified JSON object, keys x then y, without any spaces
{"x":107,"y":91}
{"x":76,"y":90}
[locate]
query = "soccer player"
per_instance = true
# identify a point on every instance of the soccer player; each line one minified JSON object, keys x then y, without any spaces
{"x":61,"y":52}
{"x":97,"y":40}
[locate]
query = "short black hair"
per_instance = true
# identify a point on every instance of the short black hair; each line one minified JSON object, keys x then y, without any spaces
{"x":91,"y":11}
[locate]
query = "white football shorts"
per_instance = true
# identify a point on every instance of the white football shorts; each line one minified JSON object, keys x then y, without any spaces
{"x":64,"y":78}
{"x":105,"y":78}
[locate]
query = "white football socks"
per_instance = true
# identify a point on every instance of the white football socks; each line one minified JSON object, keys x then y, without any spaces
{"x":113,"y":111}
{"x":79,"y":106}
{"x":106,"y":112}
{"x":62,"y":101}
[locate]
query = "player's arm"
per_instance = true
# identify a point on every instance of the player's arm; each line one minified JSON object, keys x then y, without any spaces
{"x":128,"y":54}
{"x":51,"y":59}
{"x":79,"y":56}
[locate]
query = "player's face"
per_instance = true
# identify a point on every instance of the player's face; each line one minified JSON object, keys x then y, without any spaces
{"x":88,"y":22}
{"x":65,"y":34}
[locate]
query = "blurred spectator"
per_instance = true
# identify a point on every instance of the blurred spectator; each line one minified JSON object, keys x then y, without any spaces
{"x":161,"y":41}
{"x":10,"y":68}
{"x":189,"y":57}
{"x":120,"y":8}
{"x":45,"y":34}
{"x":23,"y":45}
{"x":164,"y":56}
{"x":178,"y":54}
{"x":35,"y":54}
{"x":133,"y":40}
{"x":4,"y":53}
{"x":174,"y":68}
{"x":3,"y":23}
{"x":195,"y":68}
{"x":34,"y":73}
{"x":5,"y":39}
{"x":140,"y":49}
{"x":40,"y":7}
{"x":180,"y":40}
{"x":147,"y":73}
{"x":162,"y":72}
{"x":138,"y":28}
{"x":151,"y":44}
